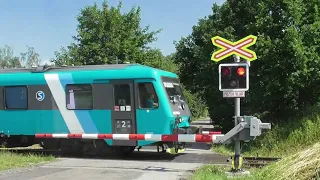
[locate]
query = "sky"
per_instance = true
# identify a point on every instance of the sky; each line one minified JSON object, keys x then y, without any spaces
{"x":47,"y":25}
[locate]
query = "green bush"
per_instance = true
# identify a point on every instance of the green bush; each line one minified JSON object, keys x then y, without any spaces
{"x":197,"y":106}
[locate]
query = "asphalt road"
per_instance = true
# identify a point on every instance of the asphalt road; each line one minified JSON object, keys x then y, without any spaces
{"x":144,"y":165}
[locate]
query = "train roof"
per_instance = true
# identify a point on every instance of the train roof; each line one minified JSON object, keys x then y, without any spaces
{"x":48,"y":68}
{"x":134,"y":70}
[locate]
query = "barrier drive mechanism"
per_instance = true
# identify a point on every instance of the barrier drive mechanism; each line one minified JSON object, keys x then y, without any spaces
{"x":248,"y":129}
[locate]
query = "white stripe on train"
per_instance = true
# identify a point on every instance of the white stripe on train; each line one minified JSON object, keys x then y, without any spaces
{"x":59,"y":96}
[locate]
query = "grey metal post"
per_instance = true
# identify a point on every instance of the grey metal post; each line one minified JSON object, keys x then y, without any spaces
{"x":237,"y":113}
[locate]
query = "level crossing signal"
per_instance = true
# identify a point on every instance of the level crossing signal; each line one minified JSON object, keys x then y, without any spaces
{"x":234,"y":77}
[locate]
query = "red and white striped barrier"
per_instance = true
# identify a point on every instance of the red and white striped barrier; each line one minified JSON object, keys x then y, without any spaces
{"x":211,"y":132}
{"x":144,"y":137}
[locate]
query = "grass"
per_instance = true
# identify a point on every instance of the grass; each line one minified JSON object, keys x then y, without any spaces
{"x":9,"y":160}
{"x":297,"y":142}
{"x":301,"y":165}
{"x":207,"y":172}
{"x":282,"y":140}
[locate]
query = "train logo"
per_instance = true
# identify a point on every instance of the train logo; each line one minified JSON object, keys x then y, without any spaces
{"x":40,"y":96}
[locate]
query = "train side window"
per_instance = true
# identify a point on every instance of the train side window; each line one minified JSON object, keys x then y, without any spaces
{"x":147,"y":96}
{"x":122,"y":95}
{"x":79,"y":96}
{"x":16,"y":97}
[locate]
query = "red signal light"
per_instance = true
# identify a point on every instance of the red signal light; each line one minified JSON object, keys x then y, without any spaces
{"x":225,"y":71}
{"x":241,"y":71}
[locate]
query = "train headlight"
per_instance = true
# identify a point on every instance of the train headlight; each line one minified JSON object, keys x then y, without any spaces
{"x":178,"y":120}
{"x":182,"y":106}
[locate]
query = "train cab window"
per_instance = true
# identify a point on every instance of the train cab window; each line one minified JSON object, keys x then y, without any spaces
{"x":122,"y":95}
{"x":16,"y":97}
{"x":147,"y":96}
{"x":79,"y":96}
{"x":174,"y":90}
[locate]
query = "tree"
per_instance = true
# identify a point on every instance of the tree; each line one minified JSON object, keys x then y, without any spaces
{"x":7,"y":60}
{"x":27,"y":59}
{"x":285,"y":78}
{"x":105,"y":36}
{"x":31,"y":57}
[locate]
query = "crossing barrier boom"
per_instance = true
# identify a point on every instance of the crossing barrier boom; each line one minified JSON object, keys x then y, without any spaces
{"x":145,"y":137}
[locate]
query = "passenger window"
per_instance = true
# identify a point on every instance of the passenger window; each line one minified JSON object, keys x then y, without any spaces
{"x":122,"y":95}
{"x":16,"y":97}
{"x":79,"y":96}
{"x":147,"y":96}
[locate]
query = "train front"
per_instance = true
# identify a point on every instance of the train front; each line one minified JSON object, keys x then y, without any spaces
{"x":180,"y":122}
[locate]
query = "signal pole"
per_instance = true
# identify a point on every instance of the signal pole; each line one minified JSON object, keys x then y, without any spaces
{"x":237,"y":147}
{"x":234,"y":82}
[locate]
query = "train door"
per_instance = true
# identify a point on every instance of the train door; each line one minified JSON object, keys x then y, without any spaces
{"x":123,"y":112}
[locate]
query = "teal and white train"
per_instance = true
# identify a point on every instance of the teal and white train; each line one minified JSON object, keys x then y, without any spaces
{"x":98,"y":99}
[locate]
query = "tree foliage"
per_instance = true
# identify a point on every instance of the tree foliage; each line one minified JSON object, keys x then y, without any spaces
{"x":31,"y":57}
{"x":7,"y":60}
{"x":283,"y":80}
{"x":27,"y":59}
{"x":107,"y":36}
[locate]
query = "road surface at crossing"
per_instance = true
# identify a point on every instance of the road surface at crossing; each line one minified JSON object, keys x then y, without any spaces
{"x":144,"y":165}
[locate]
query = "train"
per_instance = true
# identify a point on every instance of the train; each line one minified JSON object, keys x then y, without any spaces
{"x":91,"y":99}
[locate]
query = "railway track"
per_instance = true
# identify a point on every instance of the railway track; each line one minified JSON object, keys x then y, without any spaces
{"x":258,"y":162}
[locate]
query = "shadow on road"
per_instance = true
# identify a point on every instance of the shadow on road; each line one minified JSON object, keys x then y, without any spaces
{"x":141,"y":156}
{"x":199,"y":146}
